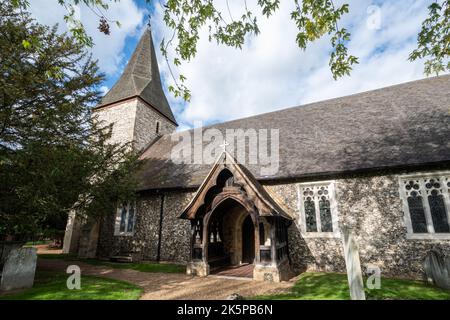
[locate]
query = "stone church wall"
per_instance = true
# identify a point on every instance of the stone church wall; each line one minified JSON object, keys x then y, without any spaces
{"x":122,"y":116}
{"x":371,"y":205}
{"x":144,"y":241}
{"x":145,"y":125}
{"x":134,"y":121}
{"x":174,"y":245}
{"x":175,"y":231}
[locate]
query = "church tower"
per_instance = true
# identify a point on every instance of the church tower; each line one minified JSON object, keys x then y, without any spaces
{"x":139,"y":111}
{"x":136,"y":105}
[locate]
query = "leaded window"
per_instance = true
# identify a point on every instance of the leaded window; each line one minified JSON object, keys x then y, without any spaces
{"x":125,"y":218}
{"x":426,"y":204}
{"x":318,"y":211}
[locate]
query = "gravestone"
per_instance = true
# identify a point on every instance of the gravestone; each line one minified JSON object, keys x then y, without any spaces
{"x":18,"y":270}
{"x":5,"y":248}
{"x":437,"y":269}
{"x":353,"y":265}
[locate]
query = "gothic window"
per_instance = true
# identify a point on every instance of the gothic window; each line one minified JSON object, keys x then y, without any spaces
{"x":157,"y":127}
{"x":310,"y":213}
{"x":318,"y":212}
{"x":125,"y":219}
{"x":426,"y":205}
{"x":130,"y":224}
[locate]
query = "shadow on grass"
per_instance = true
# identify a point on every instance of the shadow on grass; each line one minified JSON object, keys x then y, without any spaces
{"x":52,"y":286}
{"x":142,"y":266}
{"x":334,"y":286}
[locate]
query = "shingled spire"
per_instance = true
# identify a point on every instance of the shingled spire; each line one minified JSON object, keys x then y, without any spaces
{"x":141,"y":79}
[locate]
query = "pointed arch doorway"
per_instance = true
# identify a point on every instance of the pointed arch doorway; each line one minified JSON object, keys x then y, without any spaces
{"x":234,"y":223}
{"x":230,"y":237}
{"x":248,"y":241}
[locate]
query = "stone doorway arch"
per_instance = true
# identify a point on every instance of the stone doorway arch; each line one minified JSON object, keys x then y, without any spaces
{"x":227,"y":196}
{"x":248,"y":241}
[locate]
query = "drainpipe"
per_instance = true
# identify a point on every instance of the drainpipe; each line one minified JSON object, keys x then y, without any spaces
{"x":161,"y":211}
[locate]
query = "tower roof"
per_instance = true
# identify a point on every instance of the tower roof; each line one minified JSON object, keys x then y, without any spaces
{"x":141,"y":79}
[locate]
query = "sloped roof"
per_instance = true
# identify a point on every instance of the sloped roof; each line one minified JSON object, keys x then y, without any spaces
{"x":402,"y":125}
{"x":266,"y":200}
{"x":141,"y":79}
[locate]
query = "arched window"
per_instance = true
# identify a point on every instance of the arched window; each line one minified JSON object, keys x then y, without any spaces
{"x":426,"y":199}
{"x":125,"y":219}
{"x":318,"y":210}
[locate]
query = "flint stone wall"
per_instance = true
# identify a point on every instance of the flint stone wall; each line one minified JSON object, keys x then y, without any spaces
{"x":372,"y":208}
{"x":370,"y":205}
{"x":144,"y":241}
{"x":133,"y":120}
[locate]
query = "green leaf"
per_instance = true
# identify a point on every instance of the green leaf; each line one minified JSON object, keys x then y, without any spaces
{"x":26,"y":44}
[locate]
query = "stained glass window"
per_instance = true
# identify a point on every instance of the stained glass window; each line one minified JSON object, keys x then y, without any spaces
{"x":126,"y":219}
{"x":438,"y":212}
{"x":310,"y":212}
{"x":427,"y":199}
{"x":317,"y":207}
{"x":325,"y":215}
{"x":417,"y":212}
{"x":130,"y":219}
{"x":123,"y":218}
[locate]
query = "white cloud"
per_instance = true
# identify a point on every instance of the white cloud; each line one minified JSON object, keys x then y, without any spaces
{"x":271,"y":72}
{"x":104,"y":89}
{"x":107,"y":49}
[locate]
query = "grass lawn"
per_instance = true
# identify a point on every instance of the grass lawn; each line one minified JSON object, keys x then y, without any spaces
{"x":142,"y":266}
{"x":334,"y":286}
{"x":34,"y":243}
{"x":52,"y":286}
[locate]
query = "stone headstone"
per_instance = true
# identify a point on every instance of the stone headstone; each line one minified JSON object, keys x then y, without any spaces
{"x":18,"y":271}
{"x":235,"y":296}
{"x":437,"y":269}
{"x":353,"y":265}
{"x":5,"y":249}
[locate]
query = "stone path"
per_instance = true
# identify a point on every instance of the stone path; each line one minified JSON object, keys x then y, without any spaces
{"x":171,"y":286}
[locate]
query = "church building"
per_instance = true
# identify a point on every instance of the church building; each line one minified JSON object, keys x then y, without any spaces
{"x":376,"y":163}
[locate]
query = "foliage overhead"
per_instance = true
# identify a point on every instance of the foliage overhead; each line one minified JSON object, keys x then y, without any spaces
{"x":54,"y":154}
{"x":313,"y":18}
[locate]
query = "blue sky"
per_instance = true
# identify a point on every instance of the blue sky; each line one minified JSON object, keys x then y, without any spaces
{"x":270,"y":72}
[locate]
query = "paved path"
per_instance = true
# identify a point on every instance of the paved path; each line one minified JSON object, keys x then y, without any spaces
{"x":173,"y":286}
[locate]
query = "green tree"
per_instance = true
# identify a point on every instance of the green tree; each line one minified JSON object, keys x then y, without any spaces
{"x":54,"y":154}
{"x":313,"y":18}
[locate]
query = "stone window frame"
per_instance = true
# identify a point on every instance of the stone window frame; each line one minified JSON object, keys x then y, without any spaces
{"x":430,"y":235}
{"x":117,"y":231}
{"x":333,"y":206}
